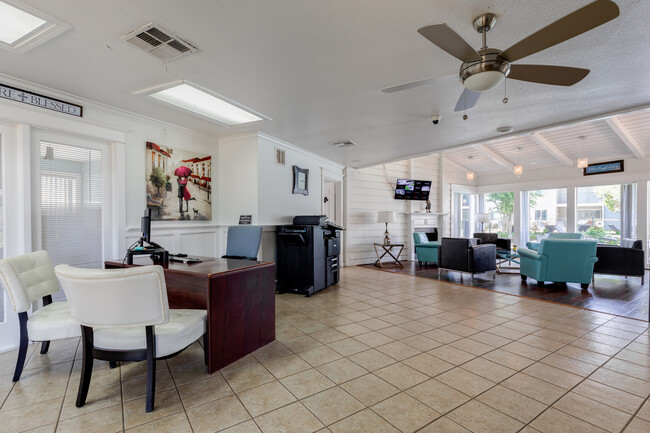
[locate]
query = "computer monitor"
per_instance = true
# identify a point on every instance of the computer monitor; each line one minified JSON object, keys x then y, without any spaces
{"x":145,"y":227}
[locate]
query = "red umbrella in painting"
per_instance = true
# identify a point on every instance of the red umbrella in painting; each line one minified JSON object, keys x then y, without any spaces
{"x":182,"y":171}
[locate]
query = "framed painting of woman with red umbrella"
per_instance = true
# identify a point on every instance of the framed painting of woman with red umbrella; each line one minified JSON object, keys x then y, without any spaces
{"x":179,"y":183}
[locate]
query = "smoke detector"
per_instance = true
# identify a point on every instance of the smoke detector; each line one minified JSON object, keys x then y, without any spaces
{"x":343,"y":143}
{"x":157,"y":41}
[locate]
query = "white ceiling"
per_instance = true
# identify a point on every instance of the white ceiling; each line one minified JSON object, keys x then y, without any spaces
{"x":600,"y":143}
{"x":317,"y":68}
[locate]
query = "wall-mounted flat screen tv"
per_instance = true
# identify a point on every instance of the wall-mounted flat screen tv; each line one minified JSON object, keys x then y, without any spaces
{"x":409,"y":189}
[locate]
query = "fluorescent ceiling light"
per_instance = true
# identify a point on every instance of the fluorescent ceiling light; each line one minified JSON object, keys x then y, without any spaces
{"x":203,"y":102}
{"x":16,"y":23}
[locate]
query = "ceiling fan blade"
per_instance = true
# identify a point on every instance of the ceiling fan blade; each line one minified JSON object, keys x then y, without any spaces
{"x":546,"y":74}
{"x":467,"y":100}
{"x":572,"y":25}
{"x":409,"y":85}
{"x":448,"y":40}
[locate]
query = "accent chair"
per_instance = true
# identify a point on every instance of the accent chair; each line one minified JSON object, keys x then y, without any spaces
{"x":532,"y":245}
{"x":125,"y":316}
{"x":626,"y":259}
{"x":426,"y":251}
{"x":559,"y":261}
{"x":29,"y":278}
{"x":493,"y":238}
{"x":466,"y":255}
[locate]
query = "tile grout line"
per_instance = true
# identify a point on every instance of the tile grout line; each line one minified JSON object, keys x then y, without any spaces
{"x":536,"y":361}
{"x":478,"y":356}
{"x":58,"y":418}
{"x":583,"y":380}
{"x":503,"y":293}
{"x":177,"y":393}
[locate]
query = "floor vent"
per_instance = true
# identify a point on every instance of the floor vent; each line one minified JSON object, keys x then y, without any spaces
{"x":157,"y":41}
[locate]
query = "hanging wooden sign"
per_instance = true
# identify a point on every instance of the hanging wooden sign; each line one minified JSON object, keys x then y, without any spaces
{"x":30,"y":98}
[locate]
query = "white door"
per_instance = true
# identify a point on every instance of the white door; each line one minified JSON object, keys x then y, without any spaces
{"x":71,"y":184}
{"x":329,"y":201}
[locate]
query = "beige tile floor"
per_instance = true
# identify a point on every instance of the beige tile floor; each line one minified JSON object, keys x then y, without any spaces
{"x":378,"y":353}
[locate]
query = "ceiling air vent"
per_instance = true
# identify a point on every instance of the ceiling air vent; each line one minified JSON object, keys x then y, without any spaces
{"x":155,"y":40}
{"x":343,"y":143}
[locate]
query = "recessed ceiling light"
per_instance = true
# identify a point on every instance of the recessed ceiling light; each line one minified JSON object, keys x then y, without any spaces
{"x":203,"y":102}
{"x":23,"y":27}
{"x":505,"y":129}
{"x":16,"y":23}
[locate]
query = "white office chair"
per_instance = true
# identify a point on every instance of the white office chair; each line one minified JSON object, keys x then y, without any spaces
{"x":28,"y":278}
{"x":125,"y":316}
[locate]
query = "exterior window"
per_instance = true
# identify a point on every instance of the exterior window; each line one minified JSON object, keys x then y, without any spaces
{"x":607,"y":213}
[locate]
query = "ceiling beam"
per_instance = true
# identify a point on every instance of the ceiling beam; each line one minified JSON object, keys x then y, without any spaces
{"x":495,"y":157}
{"x":625,"y":136}
{"x":556,"y":153}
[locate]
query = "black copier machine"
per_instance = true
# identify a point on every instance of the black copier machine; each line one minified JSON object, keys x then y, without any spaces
{"x":307,"y":257}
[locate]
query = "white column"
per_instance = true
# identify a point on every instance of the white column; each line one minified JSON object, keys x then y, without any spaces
{"x":642,"y":215}
{"x":517,"y":218}
{"x":571,"y":203}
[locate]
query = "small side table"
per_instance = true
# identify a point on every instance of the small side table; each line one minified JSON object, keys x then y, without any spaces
{"x":387,"y":250}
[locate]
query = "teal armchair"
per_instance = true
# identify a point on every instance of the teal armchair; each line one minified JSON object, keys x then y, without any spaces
{"x":427,"y":251}
{"x":560,"y":261}
{"x":532,"y":245}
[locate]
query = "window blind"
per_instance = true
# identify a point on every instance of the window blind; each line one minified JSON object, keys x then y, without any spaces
{"x":71,"y":205}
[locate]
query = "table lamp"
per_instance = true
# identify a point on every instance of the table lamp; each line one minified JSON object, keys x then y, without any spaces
{"x":483,"y":218}
{"x":386,"y":216}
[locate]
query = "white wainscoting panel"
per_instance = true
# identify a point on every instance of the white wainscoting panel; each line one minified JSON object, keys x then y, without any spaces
{"x":204,"y":240}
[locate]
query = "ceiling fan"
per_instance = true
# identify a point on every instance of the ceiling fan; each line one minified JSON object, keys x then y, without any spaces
{"x":484,"y":69}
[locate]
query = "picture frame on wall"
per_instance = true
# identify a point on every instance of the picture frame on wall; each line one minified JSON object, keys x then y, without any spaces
{"x":178,"y":183}
{"x":300,"y":180}
{"x":604,"y":167}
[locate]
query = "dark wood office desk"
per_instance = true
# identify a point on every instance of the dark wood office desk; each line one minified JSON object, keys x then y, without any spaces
{"x":239,"y":296}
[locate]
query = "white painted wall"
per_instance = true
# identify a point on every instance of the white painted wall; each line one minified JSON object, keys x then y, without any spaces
{"x":277,"y":203}
{"x":238,"y":179}
{"x":370,"y":190}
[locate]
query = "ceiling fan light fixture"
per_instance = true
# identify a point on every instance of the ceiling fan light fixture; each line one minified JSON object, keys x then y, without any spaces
{"x":483,"y":81}
{"x":484,"y":74}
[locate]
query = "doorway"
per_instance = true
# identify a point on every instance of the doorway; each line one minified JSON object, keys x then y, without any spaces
{"x":331,"y":205}
{"x":72,"y":191}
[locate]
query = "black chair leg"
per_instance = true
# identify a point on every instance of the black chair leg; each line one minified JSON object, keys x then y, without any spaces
{"x":112,"y":364}
{"x":45,"y":345}
{"x":151,"y":369}
{"x":86,"y":365}
{"x":22,"y":348}
{"x":205,"y":347}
